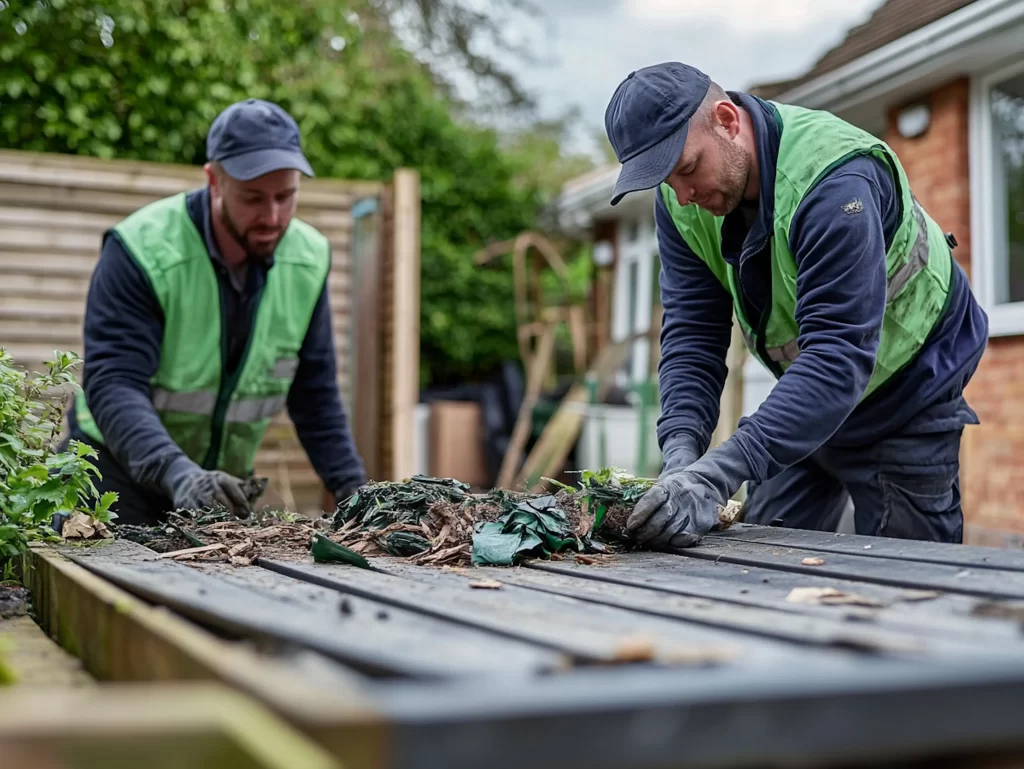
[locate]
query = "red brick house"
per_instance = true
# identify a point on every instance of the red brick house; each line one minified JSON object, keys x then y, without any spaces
{"x":942,"y":82}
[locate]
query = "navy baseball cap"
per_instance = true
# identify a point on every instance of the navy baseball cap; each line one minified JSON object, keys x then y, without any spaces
{"x":254,"y":137}
{"x":647,"y":120}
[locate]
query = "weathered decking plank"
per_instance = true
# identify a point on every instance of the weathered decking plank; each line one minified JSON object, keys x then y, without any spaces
{"x":952,"y":616}
{"x":374,"y":638}
{"x":917,"y":575}
{"x":778,"y":623}
{"x":589,"y":632}
{"x":888,"y":714}
{"x":877,"y":547}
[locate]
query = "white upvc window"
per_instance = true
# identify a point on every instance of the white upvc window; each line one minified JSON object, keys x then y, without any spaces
{"x":634,"y":290}
{"x":997,"y":197}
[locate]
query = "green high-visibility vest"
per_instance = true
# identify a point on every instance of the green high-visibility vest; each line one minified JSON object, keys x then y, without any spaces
{"x":219,"y":420}
{"x":918,"y":263}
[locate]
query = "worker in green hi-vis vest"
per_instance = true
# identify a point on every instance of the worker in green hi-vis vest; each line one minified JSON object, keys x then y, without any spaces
{"x":806,"y":230}
{"x":208,"y":314}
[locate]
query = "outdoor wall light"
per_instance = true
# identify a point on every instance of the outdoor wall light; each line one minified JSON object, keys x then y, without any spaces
{"x":914,"y":120}
{"x":603,"y":253}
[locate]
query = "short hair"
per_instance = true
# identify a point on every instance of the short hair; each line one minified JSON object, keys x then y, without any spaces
{"x":715,"y":94}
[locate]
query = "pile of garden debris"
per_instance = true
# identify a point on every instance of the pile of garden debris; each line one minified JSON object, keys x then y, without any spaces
{"x":431,"y":521}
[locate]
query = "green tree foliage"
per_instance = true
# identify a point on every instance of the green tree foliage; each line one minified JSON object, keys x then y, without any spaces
{"x":143,"y":79}
{"x":35,"y":481}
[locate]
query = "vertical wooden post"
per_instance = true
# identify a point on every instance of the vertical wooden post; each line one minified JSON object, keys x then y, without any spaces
{"x":732,"y":392}
{"x":405,"y":309}
{"x":366,"y":373}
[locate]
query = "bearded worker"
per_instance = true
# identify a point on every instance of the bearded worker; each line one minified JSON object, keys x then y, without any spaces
{"x":805,"y":228}
{"x":207,"y":315}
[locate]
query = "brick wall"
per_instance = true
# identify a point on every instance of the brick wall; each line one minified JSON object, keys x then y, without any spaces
{"x":992,"y":483}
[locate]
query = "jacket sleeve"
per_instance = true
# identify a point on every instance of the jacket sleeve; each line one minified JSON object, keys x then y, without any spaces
{"x":123,"y":332}
{"x":316,"y":410}
{"x":841,"y":284}
{"x":695,"y":334}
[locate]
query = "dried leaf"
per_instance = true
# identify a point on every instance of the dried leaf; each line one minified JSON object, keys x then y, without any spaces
{"x":813,"y":561}
{"x":829,"y":596}
{"x":81,"y":526}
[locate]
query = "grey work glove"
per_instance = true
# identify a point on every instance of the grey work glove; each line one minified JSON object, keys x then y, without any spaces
{"x":683,"y":505}
{"x":190,"y":487}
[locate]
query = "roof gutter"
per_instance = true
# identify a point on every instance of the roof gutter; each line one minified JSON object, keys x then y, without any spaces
{"x":871,"y":71}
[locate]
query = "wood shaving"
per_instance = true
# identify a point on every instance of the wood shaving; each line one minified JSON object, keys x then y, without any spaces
{"x":486,"y":584}
{"x":829,"y":596}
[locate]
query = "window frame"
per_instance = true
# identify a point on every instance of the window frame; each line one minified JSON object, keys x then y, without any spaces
{"x":988,"y":253}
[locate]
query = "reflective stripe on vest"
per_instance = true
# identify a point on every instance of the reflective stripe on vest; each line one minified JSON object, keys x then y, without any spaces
{"x":916,"y":261}
{"x":203,"y":403}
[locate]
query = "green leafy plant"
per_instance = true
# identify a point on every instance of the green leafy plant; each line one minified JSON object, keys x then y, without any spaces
{"x":37,"y":482}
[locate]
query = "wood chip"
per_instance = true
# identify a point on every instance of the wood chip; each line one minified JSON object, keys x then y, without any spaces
{"x":635,"y":649}
{"x":813,"y":561}
{"x":240,"y":548}
{"x":486,"y":584}
{"x":698,"y":655}
{"x":829,"y":596}
{"x":191,"y":551}
{"x":727,"y":515}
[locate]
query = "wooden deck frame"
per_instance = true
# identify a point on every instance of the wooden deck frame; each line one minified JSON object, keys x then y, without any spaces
{"x":158,"y":726}
{"x":120,"y":638}
{"x":942,"y":710}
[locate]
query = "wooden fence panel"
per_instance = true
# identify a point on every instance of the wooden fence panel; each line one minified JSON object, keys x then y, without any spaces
{"x":54,"y":210}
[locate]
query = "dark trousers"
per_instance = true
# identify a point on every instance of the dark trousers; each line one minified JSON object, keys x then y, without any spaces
{"x":906,"y":485}
{"x":135,"y":505}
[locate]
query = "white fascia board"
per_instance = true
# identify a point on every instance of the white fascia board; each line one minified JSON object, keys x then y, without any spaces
{"x":940,"y":44}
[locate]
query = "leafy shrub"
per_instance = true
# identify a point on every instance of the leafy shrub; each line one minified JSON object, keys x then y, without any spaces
{"x":37,"y":482}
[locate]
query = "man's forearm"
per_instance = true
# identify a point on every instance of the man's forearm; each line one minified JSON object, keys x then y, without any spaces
{"x":695,"y":335}
{"x":123,"y":331}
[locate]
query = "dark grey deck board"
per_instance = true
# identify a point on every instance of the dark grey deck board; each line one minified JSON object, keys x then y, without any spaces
{"x":868,"y":637}
{"x":986,"y":583}
{"x":588,"y":632}
{"x":725,"y":718}
{"x":372,"y":637}
{"x":948,"y":615}
{"x":877,"y":547}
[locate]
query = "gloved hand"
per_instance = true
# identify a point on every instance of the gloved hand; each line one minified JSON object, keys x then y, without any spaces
{"x":190,"y":487}
{"x":683,"y":505}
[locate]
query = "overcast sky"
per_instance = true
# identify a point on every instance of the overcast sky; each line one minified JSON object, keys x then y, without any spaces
{"x":596,"y":43}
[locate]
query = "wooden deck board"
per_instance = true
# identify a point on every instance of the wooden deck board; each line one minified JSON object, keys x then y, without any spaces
{"x":951,"y":615}
{"x":917,"y":575}
{"x":370,"y":636}
{"x":591,"y":634}
{"x":876,"y":547}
